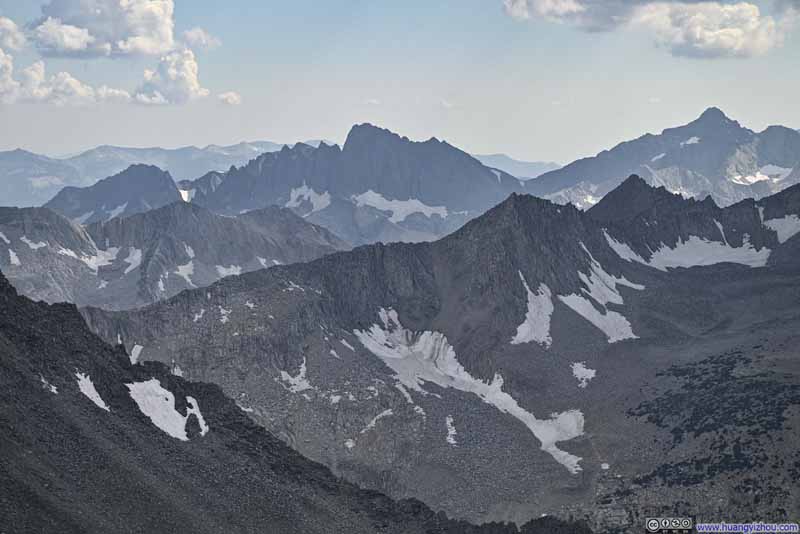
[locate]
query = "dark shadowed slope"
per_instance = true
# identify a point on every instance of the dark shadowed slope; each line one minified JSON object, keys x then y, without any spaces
{"x":91,"y":443}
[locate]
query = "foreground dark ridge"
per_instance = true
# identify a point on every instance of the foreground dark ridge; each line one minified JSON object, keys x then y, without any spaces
{"x":73,"y":464}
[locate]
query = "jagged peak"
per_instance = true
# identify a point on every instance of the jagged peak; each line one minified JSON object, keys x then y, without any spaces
{"x":631,"y":197}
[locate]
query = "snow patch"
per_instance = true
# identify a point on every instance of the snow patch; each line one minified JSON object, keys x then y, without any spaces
{"x":116,"y":211}
{"x":4,"y":238}
{"x":602,"y":287}
{"x":400,"y":209}
{"x":785,"y":227}
{"x":374,"y":421}
{"x":582,"y":373}
{"x":695,"y":251}
{"x":224,"y":315}
{"x":249,"y":304}
{"x":346,"y":344}
{"x":136,"y":351}
{"x":420,"y":357}
{"x":349,"y":443}
{"x":86,"y":386}
{"x":319,"y":201}
{"x":298,"y":383}
{"x":133,"y":260}
{"x":536,"y":326}
{"x":31,"y":244}
{"x":199,"y":315}
{"x":229,"y":271}
{"x":656,"y":158}
{"x":451,"y":430}
{"x":187,"y":194}
{"x":691,"y":141}
{"x":47,"y":385}
{"x":186,"y":271}
{"x":13,"y":258}
{"x":158,"y":404}
{"x":83,"y":218}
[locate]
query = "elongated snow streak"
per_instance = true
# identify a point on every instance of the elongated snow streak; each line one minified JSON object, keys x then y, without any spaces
{"x":536,"y":326}
{"x":602,"y":288}
{"x":696,"y":251}
{"x":86,"y":387}
{"x":420,"y":357}
{"x":400,"y":209}
{"x":451,"y":430}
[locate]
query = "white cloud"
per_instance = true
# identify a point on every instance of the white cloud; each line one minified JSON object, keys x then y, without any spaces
{"x":231,"y":98}
{"x":525,"y":9}
{"x":61,"y":89}
{"x":446,"y":104}
{"x":10,"y":35}
{"x":9,"y":87}
{"x":53,"y":37}
{"x":92,"y":28}
{"x":373,"y":102}
{"x":710,"y":29}
{"x":199,"y":38}
{"x":705,"y":29}
{"x":175,"y":80}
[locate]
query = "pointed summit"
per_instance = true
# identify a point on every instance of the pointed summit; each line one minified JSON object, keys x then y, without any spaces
{"x":630,"y":198}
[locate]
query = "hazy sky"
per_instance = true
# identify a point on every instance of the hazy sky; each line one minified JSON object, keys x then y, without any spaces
{"x":537,"y":79}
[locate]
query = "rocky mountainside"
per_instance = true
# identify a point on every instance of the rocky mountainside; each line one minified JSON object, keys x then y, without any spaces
{"x":524,"y":170}
{"x":713,"y":155}
{"x":92,"y":443}
{"x":539,"y":360}
{"x":137,"y":189}
{"x":377,"y":187}
{"x":132,"y":261}
{"x":28,"y":179}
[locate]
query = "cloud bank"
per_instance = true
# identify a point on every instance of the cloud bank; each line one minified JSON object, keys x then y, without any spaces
{"x":92,"y":29}
{"x":685,"y":28}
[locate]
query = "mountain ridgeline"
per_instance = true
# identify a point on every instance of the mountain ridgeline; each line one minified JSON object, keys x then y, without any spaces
{"x":377,"y":187}
{"x":712,"y":155}
{"x":538,"y":351}
{"x":132,"y":261}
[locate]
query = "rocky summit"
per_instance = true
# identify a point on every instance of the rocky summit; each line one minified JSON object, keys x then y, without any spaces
{"x":378,"y":186}
{"x":630,"y":361}
{"x":712,"y":155}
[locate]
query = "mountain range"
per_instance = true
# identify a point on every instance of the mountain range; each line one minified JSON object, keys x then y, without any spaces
{"x":132,"y":261}
{"x":633,"y":360}
{"x":93,"y":443}
{"x":28,"y":179}
{"x":712,"y":155}
{"x":378,"y":186}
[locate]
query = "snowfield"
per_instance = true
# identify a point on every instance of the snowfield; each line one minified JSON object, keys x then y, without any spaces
{"x":420,"y":357}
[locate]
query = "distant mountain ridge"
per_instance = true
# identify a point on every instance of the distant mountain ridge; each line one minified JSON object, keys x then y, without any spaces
{"x":378,"y":187}
{"x":137,"y":189}
{"x":524,"y":170}
{"x":133,"y":261}
{"x":712,"y":155}
{"x":28,"y":179}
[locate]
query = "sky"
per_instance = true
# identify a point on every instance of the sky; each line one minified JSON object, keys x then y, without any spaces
{"x":550,"y":80}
